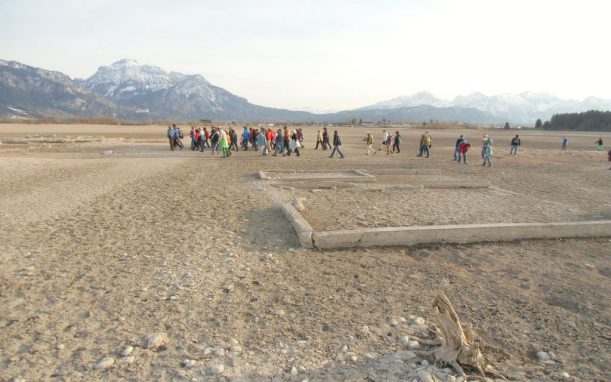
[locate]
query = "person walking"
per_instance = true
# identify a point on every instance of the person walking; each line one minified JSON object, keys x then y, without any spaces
{"x":462,"y":151}
{"x":487,"y":152}
{"x":279,"y":144}
{"x":177,"y":136}
{"x":287,"y":140}
{"x":337,"y":143}
{"x":369,"y":141}
{"x":245,"y":138}
{"x":199,"y":142}
{"x":233,"y":138}
{"x":385,"y":144}
{"x":170,"y":135}
{"x":396,"y":146}
{"x":424,"y":145}
{"x":565,"y":142}
{"x":325,"y":139}
{"x":459,"y":142}
{"x":318,"y":139}
{"x":300,"y":137}
{"x":224,"y":143}
{"x":214,"y":139}
{"x":253,"y":138}
{"x":261,"y":142}
{"x":206,"y":138}
{"x":192,"y":136}
{"x":294,"y":144}
{"x":269,"y":134}
{"x":601,"y":145}
{"x":515,"y":145}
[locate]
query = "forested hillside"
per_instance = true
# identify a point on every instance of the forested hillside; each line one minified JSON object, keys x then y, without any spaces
{"x":588,"y":121}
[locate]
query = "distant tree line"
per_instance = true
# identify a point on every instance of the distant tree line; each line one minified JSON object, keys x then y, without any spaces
{"x":588,"y":121}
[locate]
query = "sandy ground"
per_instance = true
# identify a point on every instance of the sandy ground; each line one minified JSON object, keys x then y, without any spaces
{"x":99,"y":250}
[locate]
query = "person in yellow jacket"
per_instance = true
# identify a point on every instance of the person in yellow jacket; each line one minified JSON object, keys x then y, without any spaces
{"x":369,"y":140}
{"x":224,"y":143}
{"x":425,"y":144}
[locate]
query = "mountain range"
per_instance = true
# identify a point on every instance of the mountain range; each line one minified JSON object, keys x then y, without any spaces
{"x":525,"y":107}
{"x":129,"y":90}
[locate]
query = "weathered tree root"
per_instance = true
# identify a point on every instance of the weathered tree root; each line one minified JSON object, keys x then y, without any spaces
{"x":459,"y":345}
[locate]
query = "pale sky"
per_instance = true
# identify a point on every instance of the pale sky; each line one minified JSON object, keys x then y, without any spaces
{"x":327,"y":55}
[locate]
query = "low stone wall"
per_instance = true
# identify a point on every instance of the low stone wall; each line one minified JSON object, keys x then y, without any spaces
{"x":302,"y":228}
{"x":458,"y":234}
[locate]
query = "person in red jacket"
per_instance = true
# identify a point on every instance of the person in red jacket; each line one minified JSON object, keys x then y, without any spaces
{"x":462,"y":151}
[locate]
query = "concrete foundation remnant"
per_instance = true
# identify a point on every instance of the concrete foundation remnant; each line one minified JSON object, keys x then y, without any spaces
{"x":459,"y":234}
{"x":302,"y":228}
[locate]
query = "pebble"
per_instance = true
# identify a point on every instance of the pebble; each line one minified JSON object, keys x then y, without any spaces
{"x":406,"y":355}
{"x":298,"y":204}
{"x":565,"y":375}
{"x":60,"y":346}
{"x":294,"y":371}
{"x":424,"y":363}
{"x":413,"y":345}
{"x":365,"y":329}
{"x":208,"y":351}
{"x":236,"y":349}
{"x":219,"y":352}
{"x":128,"y":360}
{"x":394,"y":322}
{"x":418,"y":321}
{"x":188,"y":363}
{"x":543,"y":356}
{"x":404,"y":340}
{"x":354,"y":358}
{"x":105,"y":363}
{"x":156,"y":340}
{"x":18,"y":379}
{"x":402,"y":319}
{"x":127,"y":351}
{"x":217,"y":369}
{"x":425,"y":376}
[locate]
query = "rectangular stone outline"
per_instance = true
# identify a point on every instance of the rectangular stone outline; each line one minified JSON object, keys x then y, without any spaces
{"x":454,"y":234}
{"x":302,"y":228}
{"x":458,"y":234}
{"x":263,"y":175}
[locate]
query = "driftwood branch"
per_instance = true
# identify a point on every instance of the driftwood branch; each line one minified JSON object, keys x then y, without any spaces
{"x":459,"y":344}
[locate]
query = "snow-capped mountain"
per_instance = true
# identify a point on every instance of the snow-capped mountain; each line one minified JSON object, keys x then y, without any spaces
{"x":126,"y":79}
{"x":129,"y":90}
{"x":161,"y":94}
{"x":418,"y":99}
{"x":525,"y":107}
{"x":26,"y":91}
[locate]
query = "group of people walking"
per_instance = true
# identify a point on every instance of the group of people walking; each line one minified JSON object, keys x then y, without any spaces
{"x":263,"y":140}
{"x":284,"y":142}
{"x":462,"y":146}
{"x":390,"y":143}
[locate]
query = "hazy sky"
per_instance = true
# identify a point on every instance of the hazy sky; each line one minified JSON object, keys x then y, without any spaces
{"x":327,"y":55}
